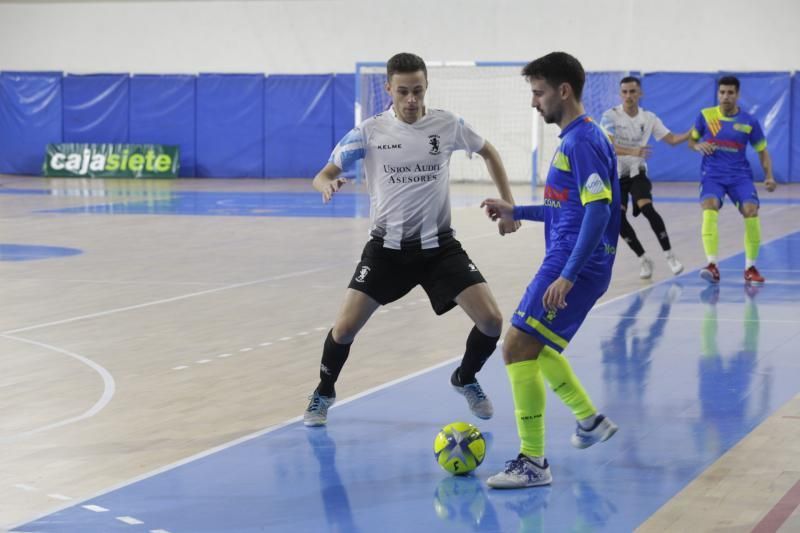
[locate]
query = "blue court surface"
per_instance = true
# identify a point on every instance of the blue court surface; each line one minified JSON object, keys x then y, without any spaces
{"x":686,"y":371}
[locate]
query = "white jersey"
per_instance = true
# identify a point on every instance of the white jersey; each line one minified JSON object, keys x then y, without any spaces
{"x":632,"y":132}
{"x":407,"y":167}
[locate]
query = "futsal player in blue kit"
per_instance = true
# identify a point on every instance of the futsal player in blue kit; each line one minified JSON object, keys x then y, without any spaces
{"x":722,"y":134}
{"x":581,"y":215}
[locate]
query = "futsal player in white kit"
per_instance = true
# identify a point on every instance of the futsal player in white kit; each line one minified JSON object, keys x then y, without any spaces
{"x":630,"y":127}
{"x":406,"y":154}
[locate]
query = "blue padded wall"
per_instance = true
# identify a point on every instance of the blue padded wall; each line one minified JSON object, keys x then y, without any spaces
{"x":30,"y":118}
{"x":163,"y":112}
{"x":767,"y":96}
{"x":794,"y":157}
{"x":299,"y":124}
{"x":677,"y":98}
{"x":230,"y":125}
{"x":95,"y":108}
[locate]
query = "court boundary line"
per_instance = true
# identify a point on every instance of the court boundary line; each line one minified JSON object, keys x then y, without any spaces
{"x":281,"y":425}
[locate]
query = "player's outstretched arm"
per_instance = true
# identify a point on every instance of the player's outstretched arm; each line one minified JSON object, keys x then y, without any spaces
{"x":673,"y":139}
{"x":328,"y":182}
{"x":494,"y":164}
{"x":766,"y":164}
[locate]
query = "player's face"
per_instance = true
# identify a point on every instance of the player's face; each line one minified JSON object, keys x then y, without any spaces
{"x":630,"y":93}
{"x":546,"y":100}
{"x":728,"y":97}
{"x":408,"y":95}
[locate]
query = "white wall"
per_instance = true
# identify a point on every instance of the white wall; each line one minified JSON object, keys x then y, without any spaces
{"x":309,"y":36}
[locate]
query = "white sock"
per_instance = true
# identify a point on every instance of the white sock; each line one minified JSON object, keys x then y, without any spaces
{"x":749,"y":263}
{"x":643,"y":258}
{"x":587,"y":422}
{"x":712,"y":259}
{"x":537,"y":460}
{"x":669,"y":254}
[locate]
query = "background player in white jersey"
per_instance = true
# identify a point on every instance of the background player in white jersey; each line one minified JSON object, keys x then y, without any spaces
{"x":406,"y":152}
{"x":630,"y":127}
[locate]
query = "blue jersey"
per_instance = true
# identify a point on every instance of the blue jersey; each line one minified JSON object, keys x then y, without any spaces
{"x":584,"y":169}
{"x":730,"y":136}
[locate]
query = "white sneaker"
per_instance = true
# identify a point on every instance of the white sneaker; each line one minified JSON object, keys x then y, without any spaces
{"x":646,"y":272}
{"x":674,"y":265}
{"x":317,"y":411}
{"x":602,"y":430}
{"x":520,"y":473}
{"x":480,"y":404}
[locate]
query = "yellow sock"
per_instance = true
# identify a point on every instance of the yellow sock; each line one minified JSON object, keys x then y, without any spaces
{"x":565,"y":383}
{"x":527,"y":387}
{"x":752,"y":239}
{"x":710,"y":233}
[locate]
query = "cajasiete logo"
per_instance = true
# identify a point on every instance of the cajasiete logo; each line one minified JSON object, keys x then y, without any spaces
{"x":111,"y":160}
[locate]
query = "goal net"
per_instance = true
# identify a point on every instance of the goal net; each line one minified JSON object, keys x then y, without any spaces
{"x":495,"y":100}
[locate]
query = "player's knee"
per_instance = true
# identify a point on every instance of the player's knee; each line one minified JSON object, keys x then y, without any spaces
{"x":710,"y":203}
{"x":749,"y":210}
{"x":344,"y":332}
{"x":643,"y":202}
{"x":492,"y":324}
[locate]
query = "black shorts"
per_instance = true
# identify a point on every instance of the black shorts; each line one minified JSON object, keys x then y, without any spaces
{"x":638,"y":187}
{"x":387,"y":275}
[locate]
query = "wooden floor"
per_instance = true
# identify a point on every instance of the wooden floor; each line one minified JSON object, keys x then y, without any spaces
{"x":170,"y":335}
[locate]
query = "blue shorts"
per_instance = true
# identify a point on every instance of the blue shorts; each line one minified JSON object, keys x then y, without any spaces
{"x":740,"y":190}
{"x":556,"y":329}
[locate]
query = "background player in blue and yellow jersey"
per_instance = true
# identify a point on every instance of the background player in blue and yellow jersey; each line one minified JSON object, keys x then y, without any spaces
{"x":723,"y":133}
{"x":581,"y":215}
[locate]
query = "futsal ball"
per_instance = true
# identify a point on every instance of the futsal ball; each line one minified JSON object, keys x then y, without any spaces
{"x":459,"y":448}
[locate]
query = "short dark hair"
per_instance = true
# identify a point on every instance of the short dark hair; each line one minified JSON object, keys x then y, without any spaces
{"x":729,"y":80}
{"x":557,"y":68}
{"x":630,"y":79}
{"x":405,"y":63}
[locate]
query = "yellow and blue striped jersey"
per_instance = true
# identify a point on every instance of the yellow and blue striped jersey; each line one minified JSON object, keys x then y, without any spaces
{"x":730,"y":136}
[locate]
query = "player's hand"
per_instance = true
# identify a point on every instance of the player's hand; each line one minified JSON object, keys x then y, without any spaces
{"x":705,"y":148}
{"x":555,"y":297}
{"x":645,"y":151}
{"x":770,"y":183}
{"x":498,"y":209}
{"x":508,"y":226}
{"x":332,"y":188}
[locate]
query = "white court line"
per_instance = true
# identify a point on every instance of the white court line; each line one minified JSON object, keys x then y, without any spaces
{"x":95,"y":508}
{"x":692,"y":319}
{"x":131,"y":521}
{"x":339,"y":403}
{"x":109,"y":388}
{"x":169,"y":300}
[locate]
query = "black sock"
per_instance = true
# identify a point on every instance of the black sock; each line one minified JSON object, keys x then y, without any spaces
{"x":334,"y":356}
{"x":629,"y":236}
{"x":657,"y":223}
{"x":479,"y":348}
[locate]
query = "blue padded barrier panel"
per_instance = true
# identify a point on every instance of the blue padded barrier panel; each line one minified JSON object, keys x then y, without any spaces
{"x":298,"y":122}
{"x":30,"y":118}
{"x":344,"y":109}
{"x":677,"y":98}
{"x":230,"y":125}
{"x":163,"y":112}
{"x":601,"y":92}
{"x":767,"y":96}
{"x":344,"y":97}
{"x":96,"y":108}
{"x":795,"y":134}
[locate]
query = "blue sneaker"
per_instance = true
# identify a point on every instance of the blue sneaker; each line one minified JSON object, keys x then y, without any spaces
{"x":520,"y":473}
{"x":602,"y":430}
